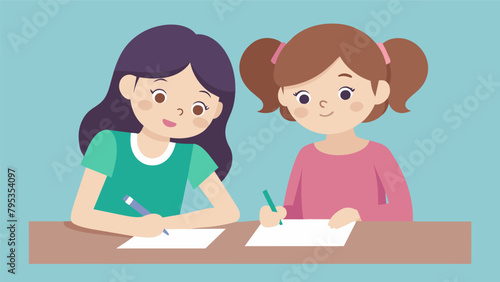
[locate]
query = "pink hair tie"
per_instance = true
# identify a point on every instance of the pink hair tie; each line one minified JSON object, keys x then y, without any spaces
{"x":277,"y":53}
{"x":384,"y":52}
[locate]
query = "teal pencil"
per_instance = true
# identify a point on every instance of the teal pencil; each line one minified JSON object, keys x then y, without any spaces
{"x":270,"y":202}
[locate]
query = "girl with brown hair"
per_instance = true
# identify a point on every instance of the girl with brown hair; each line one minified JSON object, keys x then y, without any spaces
{"x":330,"y":78}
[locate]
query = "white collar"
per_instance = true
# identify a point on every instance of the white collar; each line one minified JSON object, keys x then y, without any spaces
{"x":150,"y":161}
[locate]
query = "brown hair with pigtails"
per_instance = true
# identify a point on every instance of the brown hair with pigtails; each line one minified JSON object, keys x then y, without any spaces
{"x":313,"y":50}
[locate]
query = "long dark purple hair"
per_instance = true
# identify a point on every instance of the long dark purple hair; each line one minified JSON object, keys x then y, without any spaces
{"x":164,"y":51}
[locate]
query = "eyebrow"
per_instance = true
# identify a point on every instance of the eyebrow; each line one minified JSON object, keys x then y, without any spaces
{"x":160,"y":79}
{"x":203,"y":91}
{"x":345,"y":74}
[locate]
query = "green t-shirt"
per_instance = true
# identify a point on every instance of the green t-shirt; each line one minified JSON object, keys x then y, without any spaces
{"x":158,"y":184}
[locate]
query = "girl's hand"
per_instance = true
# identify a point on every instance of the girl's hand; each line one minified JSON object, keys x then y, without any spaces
{"x":343,"y":217}
{"x":150,"y":225}
{"x":269,"y":218}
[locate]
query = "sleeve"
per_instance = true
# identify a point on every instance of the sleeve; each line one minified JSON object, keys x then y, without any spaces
{"x":293,"y":202}
{"x":392,"y":184}
{"x":101,"y":153}
{"x":200,"y":167}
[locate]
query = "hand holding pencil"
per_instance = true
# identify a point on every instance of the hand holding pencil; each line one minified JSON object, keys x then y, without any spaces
{"x":268,"y":218}
{"x":271,"y":215}
{"x":153,"y":220}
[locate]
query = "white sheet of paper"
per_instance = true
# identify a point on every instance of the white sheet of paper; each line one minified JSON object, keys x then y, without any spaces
{"x":301,"y":232}
{"x":178,"y":239}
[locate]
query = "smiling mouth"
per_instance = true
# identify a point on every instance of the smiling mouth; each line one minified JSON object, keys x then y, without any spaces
{"x":327,"y":114}
{"x":168,"y":123}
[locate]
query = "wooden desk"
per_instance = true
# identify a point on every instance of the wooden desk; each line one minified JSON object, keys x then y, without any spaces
{"x":370,"y":242}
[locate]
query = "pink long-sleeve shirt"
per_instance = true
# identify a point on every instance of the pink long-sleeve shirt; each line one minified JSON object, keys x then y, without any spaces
{"x":321,"y":184}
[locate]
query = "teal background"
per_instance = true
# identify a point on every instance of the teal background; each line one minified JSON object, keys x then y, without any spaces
{"x":65,"y":69}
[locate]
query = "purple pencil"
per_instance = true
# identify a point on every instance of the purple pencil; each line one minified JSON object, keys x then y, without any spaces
{"x":140,"y":209}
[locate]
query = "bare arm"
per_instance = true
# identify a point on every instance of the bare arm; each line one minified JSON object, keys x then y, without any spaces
{"x":224,"y":209}
{"x":84,"y":214}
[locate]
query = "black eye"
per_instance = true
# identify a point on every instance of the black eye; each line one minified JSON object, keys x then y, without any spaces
{"x":345,"y":93}
{"x":303,"y":97}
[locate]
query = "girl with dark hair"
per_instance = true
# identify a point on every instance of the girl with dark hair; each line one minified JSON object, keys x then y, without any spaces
{"x":161,"y":125}
{"x":330,"y":78}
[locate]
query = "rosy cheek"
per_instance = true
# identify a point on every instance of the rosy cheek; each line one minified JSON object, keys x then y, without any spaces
{"x":200,"y":122}
{"x":300,"y":112}
{"x":356,"y":107}
{"x":145,"y":105}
